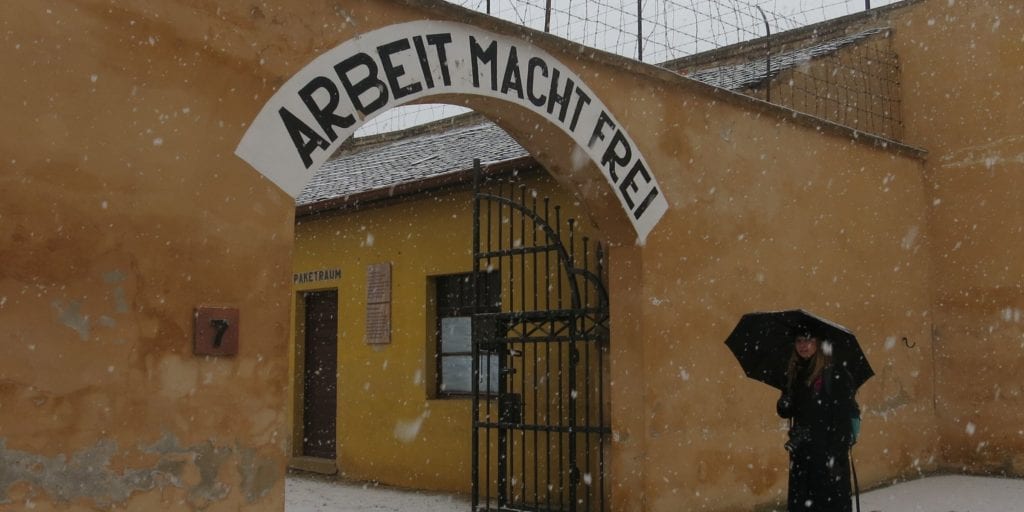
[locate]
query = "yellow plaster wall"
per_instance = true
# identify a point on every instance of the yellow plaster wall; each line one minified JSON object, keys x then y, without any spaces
{"x":769,"y":210}
{"x":122,"y":208}
{"x":964,"y":101}
{"x":835,"y":229}
{"x":119,"y":183}
{"x":773,"y":210}
{"x":390,"y":426}
{"x":765,"y":214}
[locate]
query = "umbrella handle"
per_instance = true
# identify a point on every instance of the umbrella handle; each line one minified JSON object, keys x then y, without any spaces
{"x":856,"y":485}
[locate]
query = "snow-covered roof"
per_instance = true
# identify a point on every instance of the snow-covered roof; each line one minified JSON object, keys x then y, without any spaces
{"x":424,"y":155}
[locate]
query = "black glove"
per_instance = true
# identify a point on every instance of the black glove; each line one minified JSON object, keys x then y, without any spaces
{"x":784,"y":407}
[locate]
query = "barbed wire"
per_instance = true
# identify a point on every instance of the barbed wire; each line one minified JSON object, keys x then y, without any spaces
{"x":649,"y":30}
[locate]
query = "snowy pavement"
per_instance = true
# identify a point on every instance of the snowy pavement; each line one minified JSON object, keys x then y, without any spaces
{"x":950,"y":493}
{"x":311,"y":493}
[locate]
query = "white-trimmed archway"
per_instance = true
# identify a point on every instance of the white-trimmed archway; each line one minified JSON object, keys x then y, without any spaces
{"x":329,"y":99}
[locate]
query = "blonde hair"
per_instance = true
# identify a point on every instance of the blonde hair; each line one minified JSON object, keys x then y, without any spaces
{"x":818,"y":363}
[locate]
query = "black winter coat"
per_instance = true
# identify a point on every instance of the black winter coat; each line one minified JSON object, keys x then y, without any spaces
{"x":819,"y":440}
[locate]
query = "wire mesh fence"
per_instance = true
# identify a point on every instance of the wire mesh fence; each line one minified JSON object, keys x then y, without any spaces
{"x":657,"y":31}
{"x":856,"y":87}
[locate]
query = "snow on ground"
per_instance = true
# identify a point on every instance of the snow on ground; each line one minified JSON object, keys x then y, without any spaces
{"x":309,"y":493}
{"x":950,"y":493}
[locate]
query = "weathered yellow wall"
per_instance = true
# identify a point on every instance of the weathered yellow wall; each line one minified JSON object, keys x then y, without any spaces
{"x":964,"y":101}
{"x":766,"y":213}
{"x":835,"y":228}
{"x":769,"y":210}
{"x":122,"y":208}
{"x":390,"y":427}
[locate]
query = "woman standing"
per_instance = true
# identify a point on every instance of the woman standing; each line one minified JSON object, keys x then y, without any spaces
{"x":824,"y":420}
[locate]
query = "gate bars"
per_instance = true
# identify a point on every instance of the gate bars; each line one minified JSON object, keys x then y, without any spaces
{"x":538,"y":439}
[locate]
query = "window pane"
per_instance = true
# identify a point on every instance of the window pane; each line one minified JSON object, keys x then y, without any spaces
{"x":492,"y":386}
{"x":455,"y":374}
{"x":456,"y":371}
{"x":456,"y":334}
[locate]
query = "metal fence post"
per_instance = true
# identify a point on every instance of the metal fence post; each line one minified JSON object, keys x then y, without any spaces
{"x":768,"y":55}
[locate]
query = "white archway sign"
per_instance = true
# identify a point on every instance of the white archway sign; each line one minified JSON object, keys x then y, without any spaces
{"x":339,"y":91}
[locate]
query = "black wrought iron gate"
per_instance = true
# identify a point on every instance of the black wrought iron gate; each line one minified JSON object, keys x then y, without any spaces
{"x":540,"y":413}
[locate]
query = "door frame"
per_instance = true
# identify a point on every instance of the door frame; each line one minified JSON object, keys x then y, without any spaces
{"x":299,"y":460}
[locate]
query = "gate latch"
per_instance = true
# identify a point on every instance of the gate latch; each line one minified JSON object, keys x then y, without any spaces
{"x":510,"y":408}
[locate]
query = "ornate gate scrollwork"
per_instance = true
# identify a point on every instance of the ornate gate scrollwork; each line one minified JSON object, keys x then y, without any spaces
{"x":540,"y":425}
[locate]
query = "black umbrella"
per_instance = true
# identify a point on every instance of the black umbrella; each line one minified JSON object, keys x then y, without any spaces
{"x":763,"y":343}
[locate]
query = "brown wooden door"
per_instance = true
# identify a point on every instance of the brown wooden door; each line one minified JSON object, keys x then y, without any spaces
{"x":320,"y":383}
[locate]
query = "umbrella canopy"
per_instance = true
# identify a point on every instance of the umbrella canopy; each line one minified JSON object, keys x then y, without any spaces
{"x":763,"y":342}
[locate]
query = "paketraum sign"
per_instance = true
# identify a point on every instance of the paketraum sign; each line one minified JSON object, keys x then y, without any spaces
{"x":329,"y":99}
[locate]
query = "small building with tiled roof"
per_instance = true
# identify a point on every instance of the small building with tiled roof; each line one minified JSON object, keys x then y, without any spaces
{"x":389,"y":165}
